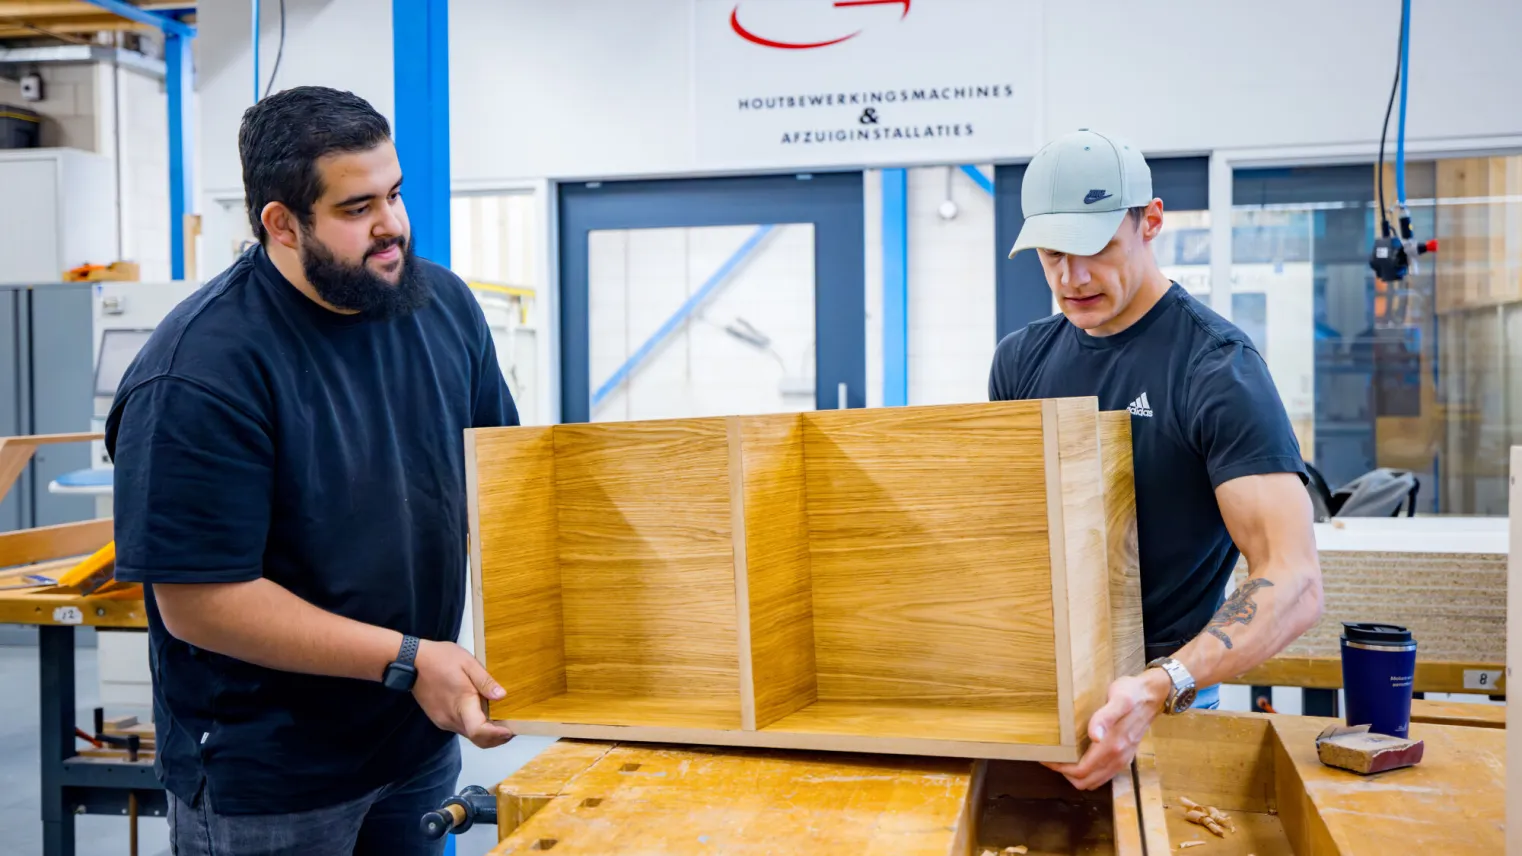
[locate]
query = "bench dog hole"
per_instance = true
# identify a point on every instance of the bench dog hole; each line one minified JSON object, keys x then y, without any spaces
{"x":545,"y":843}
{"x":628,"y":768}
{"x":591,"y":802}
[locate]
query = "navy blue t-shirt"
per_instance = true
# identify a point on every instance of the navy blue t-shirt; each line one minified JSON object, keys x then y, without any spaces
{"x":1203,"y":411}
{"x":260,"y":435}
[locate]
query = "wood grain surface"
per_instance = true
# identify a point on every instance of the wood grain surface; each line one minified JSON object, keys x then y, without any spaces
{"x":543,"y":778}
{"x":906,"y":721}
{"x":930,"y":557}
{"x":1081,"y":583}
{"x":1452,"y":802}
{"x":647,"y":559}
{"x":1149,"y":797}
{"x":678,"y":801}
{"x":1127,"y":813}
{"x":43,"y":543}
{"x":510,"y":480}
{"x":774,"y":582}
{"x":1475,"y":714}
{"x":1126,"y":629}
{"x":1216,"y":758}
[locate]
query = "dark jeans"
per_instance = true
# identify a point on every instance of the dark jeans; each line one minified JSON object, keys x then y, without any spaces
{"x":384,"y":821}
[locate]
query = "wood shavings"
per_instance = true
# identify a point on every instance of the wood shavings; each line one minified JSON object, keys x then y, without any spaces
{"x":1209,"y":817}
{"x":1188,"y":844}
{"x":1017,"y":851}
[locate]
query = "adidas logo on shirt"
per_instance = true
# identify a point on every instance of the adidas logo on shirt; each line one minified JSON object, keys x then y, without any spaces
{"x":1141,"y":407}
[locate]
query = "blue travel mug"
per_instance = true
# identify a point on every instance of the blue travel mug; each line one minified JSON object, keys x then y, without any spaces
{"x":1378,"y":669}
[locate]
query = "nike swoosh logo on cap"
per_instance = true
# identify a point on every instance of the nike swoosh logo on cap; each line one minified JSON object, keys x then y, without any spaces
{"x":1095,"y":196}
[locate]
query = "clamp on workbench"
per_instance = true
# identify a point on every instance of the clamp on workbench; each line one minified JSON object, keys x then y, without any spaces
{"x":473,"y":804}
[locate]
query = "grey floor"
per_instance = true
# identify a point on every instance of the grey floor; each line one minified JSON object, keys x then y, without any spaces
{"x":20,"y":801}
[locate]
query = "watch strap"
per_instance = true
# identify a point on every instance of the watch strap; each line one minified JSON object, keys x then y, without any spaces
{"x":409,"y":650}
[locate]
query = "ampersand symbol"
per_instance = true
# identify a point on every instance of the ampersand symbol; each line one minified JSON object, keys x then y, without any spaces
{"x":868,"y":116}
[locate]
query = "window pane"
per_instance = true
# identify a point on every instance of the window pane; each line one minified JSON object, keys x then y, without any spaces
{"x":493,"y":239}
{"x":1418,"y":376}
{"x":701,"y":321}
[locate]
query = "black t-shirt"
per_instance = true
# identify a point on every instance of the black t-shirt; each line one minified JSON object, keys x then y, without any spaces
{"x":260,"y":435}
{"x":1203,"y":411}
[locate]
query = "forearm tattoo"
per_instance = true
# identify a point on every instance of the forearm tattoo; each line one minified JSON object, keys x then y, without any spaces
{"x":1240,"y":608}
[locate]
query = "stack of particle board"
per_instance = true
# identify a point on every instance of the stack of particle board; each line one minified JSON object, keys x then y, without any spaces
{"x":925,"y":580}
{"x":1443,"y":577}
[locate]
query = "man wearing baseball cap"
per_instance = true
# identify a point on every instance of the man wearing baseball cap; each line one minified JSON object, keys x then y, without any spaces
{"x":1216,"y":464}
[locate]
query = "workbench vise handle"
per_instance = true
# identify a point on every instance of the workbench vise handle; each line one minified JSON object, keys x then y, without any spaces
{"x":473,"y":804}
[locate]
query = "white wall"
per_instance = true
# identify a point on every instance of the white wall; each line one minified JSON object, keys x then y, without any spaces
{"x":607,"y":92}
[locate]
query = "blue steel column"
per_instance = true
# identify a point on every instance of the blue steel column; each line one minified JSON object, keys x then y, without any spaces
{"x":895,"y":287}
{"x":179,"y":77}
{"x":421,"y":45}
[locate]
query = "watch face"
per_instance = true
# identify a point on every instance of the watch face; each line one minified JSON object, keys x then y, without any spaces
{"x":1185,"y":700}
{"x":399,"y":677}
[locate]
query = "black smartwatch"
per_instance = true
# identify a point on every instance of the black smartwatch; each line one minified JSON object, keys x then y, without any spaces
{"x":401,"y":674}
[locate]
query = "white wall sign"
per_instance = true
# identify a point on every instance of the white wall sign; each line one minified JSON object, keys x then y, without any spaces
{"x":869,"y":81}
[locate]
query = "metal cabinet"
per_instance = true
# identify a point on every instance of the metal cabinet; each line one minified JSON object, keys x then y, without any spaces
{"x":46,"y":387}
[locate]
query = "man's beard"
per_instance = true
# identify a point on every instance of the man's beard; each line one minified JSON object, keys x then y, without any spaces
{"x":357,"y":288}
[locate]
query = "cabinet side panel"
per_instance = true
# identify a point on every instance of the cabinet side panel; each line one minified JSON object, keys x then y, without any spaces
{"x":515,"y":571}
{"x":778,"y":586}
{"x":1085,"y":562}
{"x":1120,"y":536}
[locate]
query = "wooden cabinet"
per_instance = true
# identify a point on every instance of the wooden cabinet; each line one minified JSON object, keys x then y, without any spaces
{"x":919,"y":580}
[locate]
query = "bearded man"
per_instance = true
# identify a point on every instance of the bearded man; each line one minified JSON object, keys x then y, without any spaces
{"x":290,"y":490}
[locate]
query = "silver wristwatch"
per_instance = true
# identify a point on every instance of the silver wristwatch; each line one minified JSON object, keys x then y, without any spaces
{"x":1181,"y":696}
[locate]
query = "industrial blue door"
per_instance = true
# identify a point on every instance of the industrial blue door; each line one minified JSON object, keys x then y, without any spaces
{"x":714,"y":296}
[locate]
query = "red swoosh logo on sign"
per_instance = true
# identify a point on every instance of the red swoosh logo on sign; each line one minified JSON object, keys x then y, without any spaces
{"x":904,"y":3}
{"x":754,"y":38}
{"x":734,"y":23}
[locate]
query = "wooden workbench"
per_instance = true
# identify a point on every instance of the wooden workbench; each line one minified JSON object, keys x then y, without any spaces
{"x":580,"y":798}
{"x":1263,"y":771}
{"x":621,"y":799}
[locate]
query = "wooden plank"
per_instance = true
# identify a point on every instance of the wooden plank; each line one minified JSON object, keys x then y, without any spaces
{"x":635,"y":711}
{"x":679,"y":801}
{"x":928,"y":591}
{"x":910,"y":721}
{"x":45,"y":543}
{"x":1474,"y":714}
{"x":648,"y":594}
{"x":1084,"y":577}
{"x":36,"y":607}
{"x":773,"y":738}
{"x":543,"y":778}
{"x":1216,"y":758}
{"x":1149,"y":798}
{"x":1326,"y":673}
{"x":1452,"y":802}
{"x":1121,"y":546}
{"x":49,"y":439}
{"x":511,"y":490}
{"x":772,"y":561}
{"x":1126,"y":813}
{"x":14,"y":456}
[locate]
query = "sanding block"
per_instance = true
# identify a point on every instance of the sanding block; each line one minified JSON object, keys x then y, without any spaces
{"x":1355,"y":748}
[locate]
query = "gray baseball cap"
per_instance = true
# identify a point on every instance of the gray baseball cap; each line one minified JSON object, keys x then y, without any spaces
{"x":1076,"y":191}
